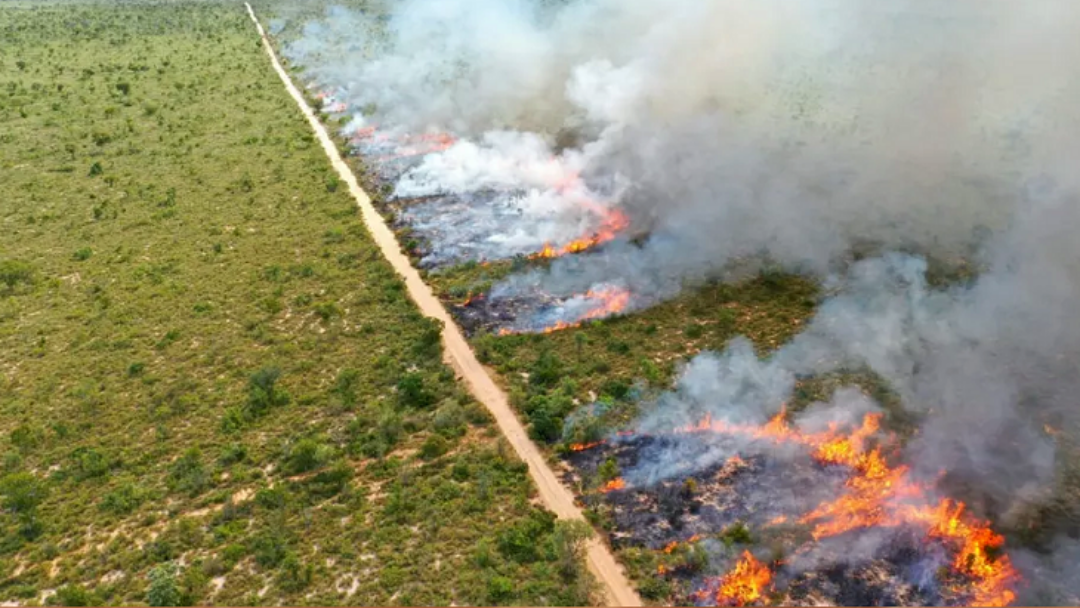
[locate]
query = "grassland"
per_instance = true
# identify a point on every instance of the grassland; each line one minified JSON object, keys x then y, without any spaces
{"x":213,"y":390}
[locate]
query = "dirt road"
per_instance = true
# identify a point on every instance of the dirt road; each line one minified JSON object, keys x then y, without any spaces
{"x":460,"y":356}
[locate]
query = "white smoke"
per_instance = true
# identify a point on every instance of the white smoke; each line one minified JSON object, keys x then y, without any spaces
{"x":793,"y":129}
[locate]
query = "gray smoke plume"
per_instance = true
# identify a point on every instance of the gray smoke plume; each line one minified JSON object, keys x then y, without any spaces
{"x":787,"y":130}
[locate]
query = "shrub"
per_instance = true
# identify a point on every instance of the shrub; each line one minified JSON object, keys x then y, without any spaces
{"x":73,"y":595}
{"x":95,"y":169}
{"x":263,"y":394}
{"x":326,"y":310}
{"x":270,"y":498}
{"x":87,"y":463}
{"x":232,"y":454}
{"x":123,"y":500}
{"x":429,"y":344}
{"x":411,"y":391}
{"x":546,"y":371}
{"x":345,"y":387}
{"x":306,"y":455}
{"x":567,"y":547}
{"x":608,"y":470}
{"x":14,"y":272}
{"x":270,"y":547}
{"x":294,"y":576}
{"x":329,"y":482}
{"x":615,"y":388}
{"x":433,"y":447}
{"x":519,"y":542}
{"x":737,"y":533}
{"x":22,"y":493}
{"x":499,"y":590}
{"x":25,"y":437}
{"x":544,"y":427}
{"x":163,"y":590}
{"x":187,"y":474}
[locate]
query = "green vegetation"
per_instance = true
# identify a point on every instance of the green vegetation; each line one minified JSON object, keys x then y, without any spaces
{"x":213,"y":389}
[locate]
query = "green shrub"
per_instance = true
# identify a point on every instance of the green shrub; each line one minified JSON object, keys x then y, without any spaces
{"x":270,"y":547}
{"x":74,"y":595}
{"x":306,"y":455}
{"x":187,"y":473}
{"x":411,"y":391}
{"x":499,"y":590}
{"x":293,"y":576}
{"x":519,"y":542}
{"x":81,"y":255}
{"x":737,"y":533}
{"x":14,"y":272}
{"x":345,"y":387}
{"x":163,"y":590}
{"x":87,"y":463}
{"x":123,"y":500}
{"x":608,"y":470}
{"x":232,"y":454}
{"x":544,"y":427}
{"x":433,"y":447}
{"x":546,"y":371}
{"x":22,"y":492}
{"x":263,"y":394}
{"x":25,"y":437}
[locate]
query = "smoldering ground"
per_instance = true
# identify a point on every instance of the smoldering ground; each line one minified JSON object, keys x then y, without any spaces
{"x":792,"y":131}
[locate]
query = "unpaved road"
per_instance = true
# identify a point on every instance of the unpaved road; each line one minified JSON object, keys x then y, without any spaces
{"x":460,"y":356}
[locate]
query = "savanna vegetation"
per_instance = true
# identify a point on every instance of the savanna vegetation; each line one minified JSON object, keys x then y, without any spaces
{"x":213,"y":389}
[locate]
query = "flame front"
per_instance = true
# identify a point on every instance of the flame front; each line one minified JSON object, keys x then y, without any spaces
{"x":744,"y":585}
{"x":612,"y":223}
{"x":877,"y":494}
{"x":605,"y":302}
{"x":615,"y":484}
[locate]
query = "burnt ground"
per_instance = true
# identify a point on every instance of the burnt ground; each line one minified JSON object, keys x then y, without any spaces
{"x":735,"y":505}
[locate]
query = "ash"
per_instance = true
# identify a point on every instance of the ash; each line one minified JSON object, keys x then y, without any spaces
{"x":765,"y":491}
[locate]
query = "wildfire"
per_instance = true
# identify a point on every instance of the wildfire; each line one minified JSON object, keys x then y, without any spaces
{"x":743,"y":585}
{"x":615,"y":484}
{"x":607,"y":301}
{"x":612,"y":223}
{"x":581,"y":447}
{"x":877,"y":494}
{"x":418,"y":145}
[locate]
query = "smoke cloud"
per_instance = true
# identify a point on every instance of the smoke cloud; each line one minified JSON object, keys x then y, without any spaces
{"x":792,"y":130}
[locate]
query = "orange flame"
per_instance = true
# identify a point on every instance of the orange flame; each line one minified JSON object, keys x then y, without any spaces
{"x":879,"y":494}
{"x":581,"y":447}
{"x":615,"y":484}
{"x":743,"y":585}
{"x":612,"y":223}
{"x":610,"y":301}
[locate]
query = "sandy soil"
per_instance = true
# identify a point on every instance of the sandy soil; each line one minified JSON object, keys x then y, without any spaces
{"x":460,"y":356}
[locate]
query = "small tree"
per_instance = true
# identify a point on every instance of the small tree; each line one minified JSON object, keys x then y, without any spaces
{"x":163,"y":590}
{"x":568,"y":547}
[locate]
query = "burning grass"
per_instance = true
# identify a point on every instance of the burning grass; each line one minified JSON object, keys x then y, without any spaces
{"x":765,"y":488}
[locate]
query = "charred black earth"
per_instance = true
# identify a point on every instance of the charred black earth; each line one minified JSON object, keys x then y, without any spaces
{"x":699,"y":521}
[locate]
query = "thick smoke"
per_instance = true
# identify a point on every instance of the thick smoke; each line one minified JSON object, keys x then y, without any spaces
{"x":792,"y":130}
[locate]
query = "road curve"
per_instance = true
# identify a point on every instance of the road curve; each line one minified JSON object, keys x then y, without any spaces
{"x":460,"y":356}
